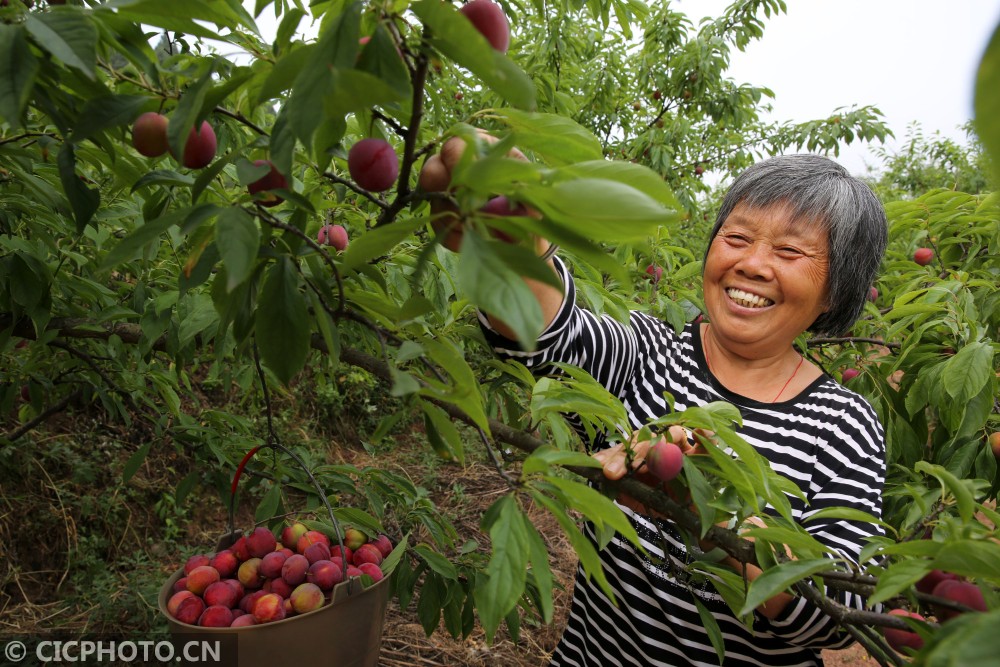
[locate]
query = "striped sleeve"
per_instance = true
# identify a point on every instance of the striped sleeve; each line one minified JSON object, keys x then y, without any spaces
{"x":848,"y":470}
{"x":602,"y":346}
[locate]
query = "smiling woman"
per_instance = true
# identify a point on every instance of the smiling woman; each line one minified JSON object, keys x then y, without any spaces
{"x":795,"y":248}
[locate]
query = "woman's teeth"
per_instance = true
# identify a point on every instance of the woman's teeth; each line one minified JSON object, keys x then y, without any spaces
{"x":746,"y":299}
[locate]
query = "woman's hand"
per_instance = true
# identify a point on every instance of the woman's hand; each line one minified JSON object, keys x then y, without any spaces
{"x":618,"y":460}
{"x":435,"y":176}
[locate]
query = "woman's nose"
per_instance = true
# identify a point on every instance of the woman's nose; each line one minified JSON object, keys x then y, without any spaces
{"x":756,"y":261}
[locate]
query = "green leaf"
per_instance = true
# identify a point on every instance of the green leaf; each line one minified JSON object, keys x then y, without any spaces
{"x":337,"y":48}
{"x":638,"y":176}
{"x":543,"y":458}
{"x":189,"y":109}
{"x":464,"y":388}
{"x":898,"y":578}
{"x":599,"y":509}
{"x":711,"y":626}
{"x":986,"y":103}
{"x":446,"y":440}
{"x":599,"y":209}
{"x":456,"y":38}
{"x":433,"y":597}
{"x":150,"y":231}
{"x":134,"y":461}
{"x":798,"y":540}
{"x":186,"y":486}
{"x":282,"y":323}
{"x":284,"y":71}
{"x":507,"y":570}
{"x":846,"y":513}
{"x":268,"y":505}
{"x":82,"y":199}
{"x":966,"y":640}
{"x":101,"y":113}
{"x":69,"y":36}
{"x":702,"y":494}
{"x":967,"y":372}
{"x":163,"y":177}
{"x":436,"y":561}
{"x":589,"y":558}
{"x":538,"y":555}
{"x":780,"y":578}
{"x":380,"y":58}
{"x":238,"y":239}
{"x":556,"y":139}
{"x":970,"y":558}
{"x":498,"y":290}
{"x":378,"y":241}
{"x":963,"y":495}
{"x":18,"y":68}
{"x":182,"y":16}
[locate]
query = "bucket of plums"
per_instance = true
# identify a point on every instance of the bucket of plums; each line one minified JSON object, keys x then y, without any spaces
{"x":288,"y":596}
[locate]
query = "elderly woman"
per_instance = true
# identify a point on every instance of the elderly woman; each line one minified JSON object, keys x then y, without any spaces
{"x":795,"y":248}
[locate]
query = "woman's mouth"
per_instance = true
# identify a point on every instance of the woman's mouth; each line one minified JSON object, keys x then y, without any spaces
{"x":748,"y":300}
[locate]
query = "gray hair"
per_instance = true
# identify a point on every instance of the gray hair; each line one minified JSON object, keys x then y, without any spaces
{"x":820,"y":191}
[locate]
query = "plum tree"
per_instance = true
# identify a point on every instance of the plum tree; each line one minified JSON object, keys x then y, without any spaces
{"x":488,"y":18}
{"x":149,"y":134}
{"x":373,"y":164}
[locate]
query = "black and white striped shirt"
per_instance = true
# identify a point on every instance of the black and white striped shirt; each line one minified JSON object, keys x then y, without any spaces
{"x":828,"y":440}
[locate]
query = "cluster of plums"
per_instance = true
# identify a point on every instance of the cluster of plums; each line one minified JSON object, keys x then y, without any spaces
{"x":261,"y":579}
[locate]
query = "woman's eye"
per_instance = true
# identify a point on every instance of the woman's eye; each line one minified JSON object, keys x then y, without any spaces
{"x":789,"y":251}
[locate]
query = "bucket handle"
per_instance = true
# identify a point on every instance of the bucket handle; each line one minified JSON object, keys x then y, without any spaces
{"x":319,"y":490}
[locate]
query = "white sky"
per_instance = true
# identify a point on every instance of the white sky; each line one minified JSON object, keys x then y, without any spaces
{"x":913,"y":59}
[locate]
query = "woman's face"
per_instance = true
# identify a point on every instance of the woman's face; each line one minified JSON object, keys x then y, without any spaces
{"x":765,"y":280}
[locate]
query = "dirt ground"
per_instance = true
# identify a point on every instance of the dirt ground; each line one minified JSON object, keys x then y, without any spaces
{"x":405,"y":644}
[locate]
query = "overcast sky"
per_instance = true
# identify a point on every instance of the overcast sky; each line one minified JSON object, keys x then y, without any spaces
{"x":913,"y":59}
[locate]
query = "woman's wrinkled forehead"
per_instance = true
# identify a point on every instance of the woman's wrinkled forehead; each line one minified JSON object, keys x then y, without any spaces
{"x":795,"y":218}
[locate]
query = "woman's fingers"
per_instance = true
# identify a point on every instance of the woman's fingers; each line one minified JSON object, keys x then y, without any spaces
{"x":434,"y":176}
{"x":618,"y":459}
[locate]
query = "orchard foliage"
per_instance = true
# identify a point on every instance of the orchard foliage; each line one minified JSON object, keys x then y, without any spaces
{"x":135,"y":278}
